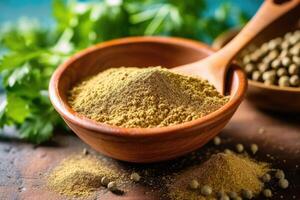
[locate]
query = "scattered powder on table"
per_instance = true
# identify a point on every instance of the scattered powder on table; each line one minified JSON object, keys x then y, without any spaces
{"x":80,"y":175}
{"x":144,"y":97}
{"x":222,"y":172}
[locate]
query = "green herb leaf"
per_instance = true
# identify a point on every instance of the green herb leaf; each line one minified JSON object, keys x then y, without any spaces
{"x":17,"y":109}
{"x":16,"y":59}
{"x":37,"y":129}
{"x":17,"y":75}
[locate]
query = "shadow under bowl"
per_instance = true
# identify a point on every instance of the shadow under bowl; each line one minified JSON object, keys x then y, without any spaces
{"x":142,"y":145}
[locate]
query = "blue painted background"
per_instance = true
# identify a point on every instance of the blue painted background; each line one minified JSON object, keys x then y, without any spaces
{"x":11,"y":10}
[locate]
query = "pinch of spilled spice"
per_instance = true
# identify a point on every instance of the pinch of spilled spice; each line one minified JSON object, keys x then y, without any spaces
{"x":80,"y":175}
{"x":222,"y":172}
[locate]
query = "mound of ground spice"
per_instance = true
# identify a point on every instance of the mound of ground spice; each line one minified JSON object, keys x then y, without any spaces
{"x":222,"y":173}
{"x":80,"y":175}
{"x":144,"y":97}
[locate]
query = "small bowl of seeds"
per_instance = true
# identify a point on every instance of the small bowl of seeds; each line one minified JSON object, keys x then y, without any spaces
{"x":272,"y":65}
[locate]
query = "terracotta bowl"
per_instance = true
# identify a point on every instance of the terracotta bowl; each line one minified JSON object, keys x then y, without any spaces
{"x":142,"y":145}
{"x":272,"y":98}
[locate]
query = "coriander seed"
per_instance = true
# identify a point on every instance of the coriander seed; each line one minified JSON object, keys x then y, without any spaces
{"x":296,"y":60}
{"x":285,"y":45}
{"x":239,"y":148}
{"x":232,"y":195}
{"x":206,"y":190}
{"x":283,"y":183}
{"x":284,"y":53}
{"x":254,"y":57}
{"x":266,"y":178}
{"x":273,"y":54}
{"x":286,"y":61}
{"x":104,"y":181}
{"x":262,"y":67}
{"x":266,"y":60}
{"x":281,"y":72}
{"x":256,"y":75}
{"x":284,"y":81}
{"x":227,"y":151}
{"x":217,"y":140}
{"x":246,"y":59}
{"x":293,"y":69}
{"x":275,"y":64}
{"x":264,"y":48}
{"x":254,"y":148}
{"x":269,"y":75}
{"x":267,"y":193}
{"x":112,"y":186}
{"x":249,"y":68}
{"x":135,"y":177}
{"x":288,"y":35}
{"x":294,"y":80}
{"x":194,"y":184}
{"x":247,"y":194}
{"x":279,"y":174}
{"x":273,"y":44}
{"x":293,"y":40}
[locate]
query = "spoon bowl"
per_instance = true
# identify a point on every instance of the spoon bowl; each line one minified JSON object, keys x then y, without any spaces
{"x":142,"y":145}
{"x":270,"y":97}
{"x":214,"y":68}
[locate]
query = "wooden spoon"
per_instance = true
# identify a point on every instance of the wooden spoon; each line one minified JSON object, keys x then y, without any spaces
{"x":214,"y":68}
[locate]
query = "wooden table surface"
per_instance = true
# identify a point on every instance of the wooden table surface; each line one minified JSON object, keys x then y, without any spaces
{"x":23,"y":166}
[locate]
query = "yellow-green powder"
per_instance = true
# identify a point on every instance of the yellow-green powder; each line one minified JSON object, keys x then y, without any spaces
{"x":222,"y":172}
{"x":144,"y":97}
{"x":80,"y":175}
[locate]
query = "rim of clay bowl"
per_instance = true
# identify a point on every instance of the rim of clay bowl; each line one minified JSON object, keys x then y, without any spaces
{"x":274,"y":87}
{"x":70,"y":115}
{"x":223,"y":38}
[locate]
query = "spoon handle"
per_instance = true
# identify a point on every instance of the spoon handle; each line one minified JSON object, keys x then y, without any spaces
{"x":214,"y":68}
{"x":267,"y":14}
